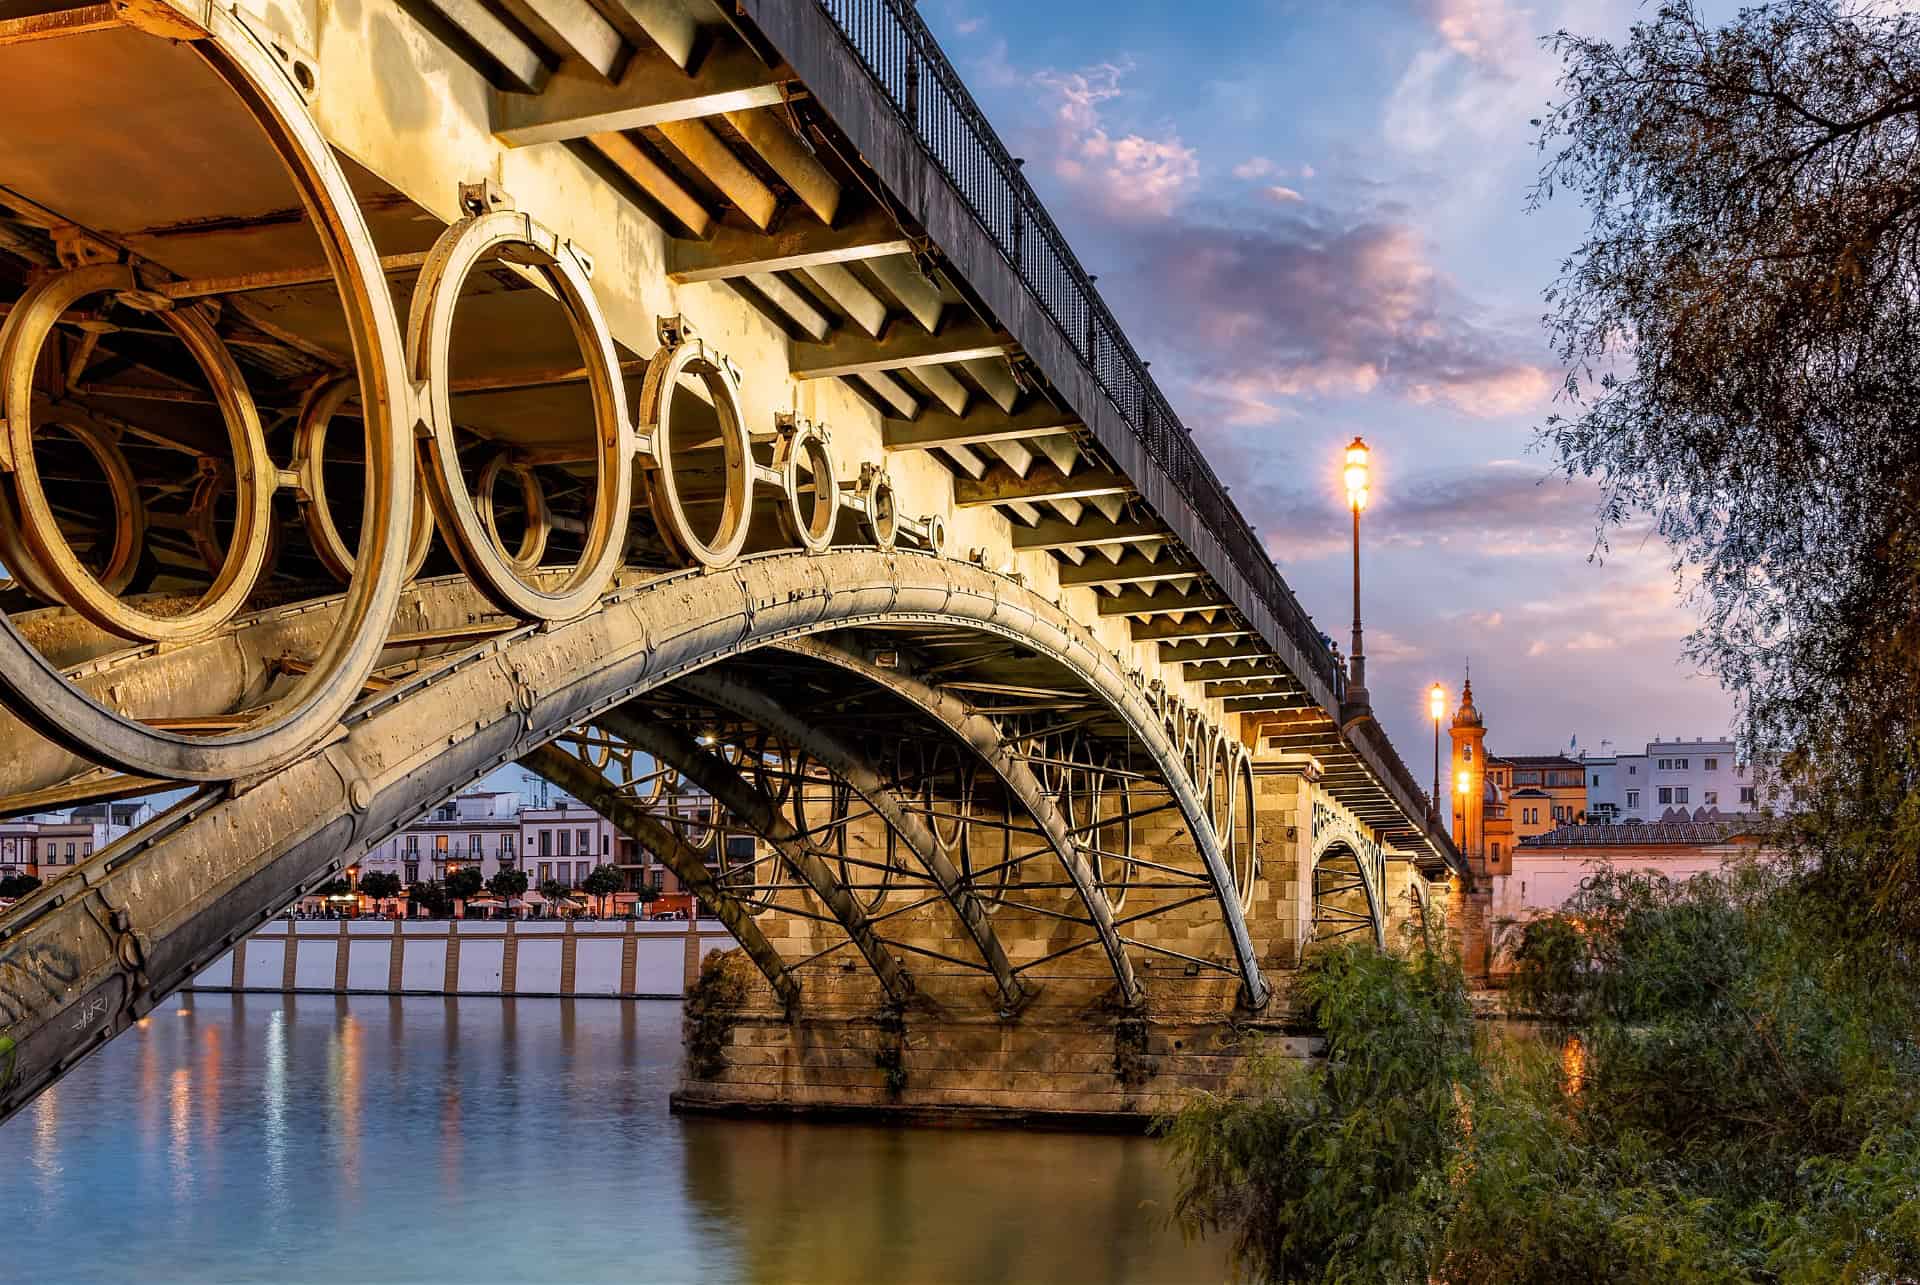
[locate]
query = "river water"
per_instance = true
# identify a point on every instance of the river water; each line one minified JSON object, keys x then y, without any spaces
{"x":316,"y":1138}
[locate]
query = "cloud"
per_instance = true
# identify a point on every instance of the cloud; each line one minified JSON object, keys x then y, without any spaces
{"x":1588,"y":640}
{"x":1132,"y":174}
{"x":1254,"y":167}
{"x":1537,"y":648}
{"x":1326,"y":305}
{"x":1283,"y":195}
{"x":1492,"y":34}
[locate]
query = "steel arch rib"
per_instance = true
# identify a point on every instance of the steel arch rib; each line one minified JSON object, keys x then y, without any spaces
{"x":858,"y":772}
{"x":987,"y":742}
{"x":751,"y":809}
{"x":1375,"y":913}
{"x":192,"y":883}
{"x":984,"y":737}
{"x":593,"y":789}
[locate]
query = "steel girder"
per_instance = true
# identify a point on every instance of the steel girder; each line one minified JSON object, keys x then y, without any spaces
{"x":579,"y":779}
{"x":729,"y":692}
{"x":984,"y":737}
{"x":83,"y":958}
{"x":732,"y":792}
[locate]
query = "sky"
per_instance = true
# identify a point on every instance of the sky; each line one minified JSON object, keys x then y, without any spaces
{"x":1313,"y":220}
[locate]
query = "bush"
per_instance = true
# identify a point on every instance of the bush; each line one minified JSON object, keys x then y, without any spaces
{"x":1719,"y":1096}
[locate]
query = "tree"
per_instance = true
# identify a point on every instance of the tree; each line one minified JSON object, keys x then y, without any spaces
{"x":431,"y":896}
{"x":1712,"y":1101}
{"x":553,"y":890}
{"x":333,"y":888}
{"x":465,"y":883}
{"x":603,"y":881}
{"x":380,"y":884}
{"x":508,"y":883}
{"x":13,"y":886}
{"x":1741,"y":329}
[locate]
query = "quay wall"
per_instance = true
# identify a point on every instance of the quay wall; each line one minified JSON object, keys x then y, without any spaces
{"x":615,"y":959}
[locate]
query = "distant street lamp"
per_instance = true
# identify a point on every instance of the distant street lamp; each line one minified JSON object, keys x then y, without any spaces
{"x":1356,"y":478}
{"x":1437,"y":706}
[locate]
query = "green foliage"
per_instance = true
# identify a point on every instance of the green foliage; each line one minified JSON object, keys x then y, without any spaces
{"x":380,"y":884}
{"x":1336,"y":1169}
{"x":552,"y":889}
{"x":507,"y":883}
{"x":333,"y":888}
{"x":12,"y":886}
{"x":431,"y":896}
{"x":465,"y":883}
{"x":712,"y":1006}
{"x":647,"y":893}
{"x":603,"y":881}
{"x":1717,"y":1096}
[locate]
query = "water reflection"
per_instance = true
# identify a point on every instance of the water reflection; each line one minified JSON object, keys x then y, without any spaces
{"x":332,"y":1139}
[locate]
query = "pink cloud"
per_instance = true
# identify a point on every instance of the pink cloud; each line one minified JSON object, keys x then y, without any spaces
{"x":1283,"y":195}
{"x":1131,"y":174}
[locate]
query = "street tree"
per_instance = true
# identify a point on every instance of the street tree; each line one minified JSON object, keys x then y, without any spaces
{"x":602,"y":882}
{"x":508,"y":883}
{"x":465,"y":883}
{"x":380,"y":884}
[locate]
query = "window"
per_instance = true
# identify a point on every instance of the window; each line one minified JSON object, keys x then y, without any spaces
{"x":740,"y":848}
{"x":1633,"y":798}
{"x":70,"y":850}
{"x":1680,"y":794}
{"x":583,"y":842}
{"x":1711,"y":797}
{"x":506,"y":847}
{"x":413,"y":845}
{"x":1680,"y":765}
{"x":1466,"y":753}
{"x":1665,"y":765}
{"x":1633,"y":769}
{"x":440,"y":847}
{"x":1713,"y":765}
{"x":546,"y":870}
{"x":1496,"y":851}
{"x":413,"y":872}
{"x":605,"y":843}
{"x":566,"y":841}
{"x":1746,"y":794}
{"x":546,"y":845}
{"x":473,"y":844}
{"x":1666,"y":794}
{"x":1596,"y":780}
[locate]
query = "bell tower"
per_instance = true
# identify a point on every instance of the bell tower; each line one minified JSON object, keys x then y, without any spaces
{"x":1469,"y":779}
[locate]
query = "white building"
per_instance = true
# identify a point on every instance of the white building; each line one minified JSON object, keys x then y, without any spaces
{"x":1672,"y":781}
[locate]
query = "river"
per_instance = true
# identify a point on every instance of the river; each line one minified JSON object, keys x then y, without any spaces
{"x":316,"y":1138}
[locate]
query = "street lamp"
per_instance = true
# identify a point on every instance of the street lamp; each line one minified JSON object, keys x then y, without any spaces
{"x":1437,"y":706}
{"x":1356,"y":479}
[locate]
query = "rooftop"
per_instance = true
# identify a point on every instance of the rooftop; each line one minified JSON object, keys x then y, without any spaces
{"x":1640,"y":835}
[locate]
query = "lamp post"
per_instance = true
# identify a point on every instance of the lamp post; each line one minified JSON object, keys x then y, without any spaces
{"x":1437,"y":706}
{"x":1356,"y":479}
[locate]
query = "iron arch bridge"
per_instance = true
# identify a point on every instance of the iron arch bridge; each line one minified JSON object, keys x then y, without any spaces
{"x":615,"y":400}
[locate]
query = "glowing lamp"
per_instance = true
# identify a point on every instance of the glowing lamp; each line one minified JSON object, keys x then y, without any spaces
{"x":1437,"y":702}
{"x":1356,"y":475}
{"x":1465,"y":784}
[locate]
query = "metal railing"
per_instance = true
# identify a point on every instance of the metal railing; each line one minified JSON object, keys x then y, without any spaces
{"x":899,"y":52}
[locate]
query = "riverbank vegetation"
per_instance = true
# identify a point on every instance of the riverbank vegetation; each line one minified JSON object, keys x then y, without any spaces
{"x":1719,"y":1091}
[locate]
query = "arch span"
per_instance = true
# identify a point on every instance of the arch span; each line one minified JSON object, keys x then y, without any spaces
{"x":82,"y":959}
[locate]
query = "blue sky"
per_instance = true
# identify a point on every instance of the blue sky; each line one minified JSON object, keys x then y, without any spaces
{"x":1312,"y":218}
